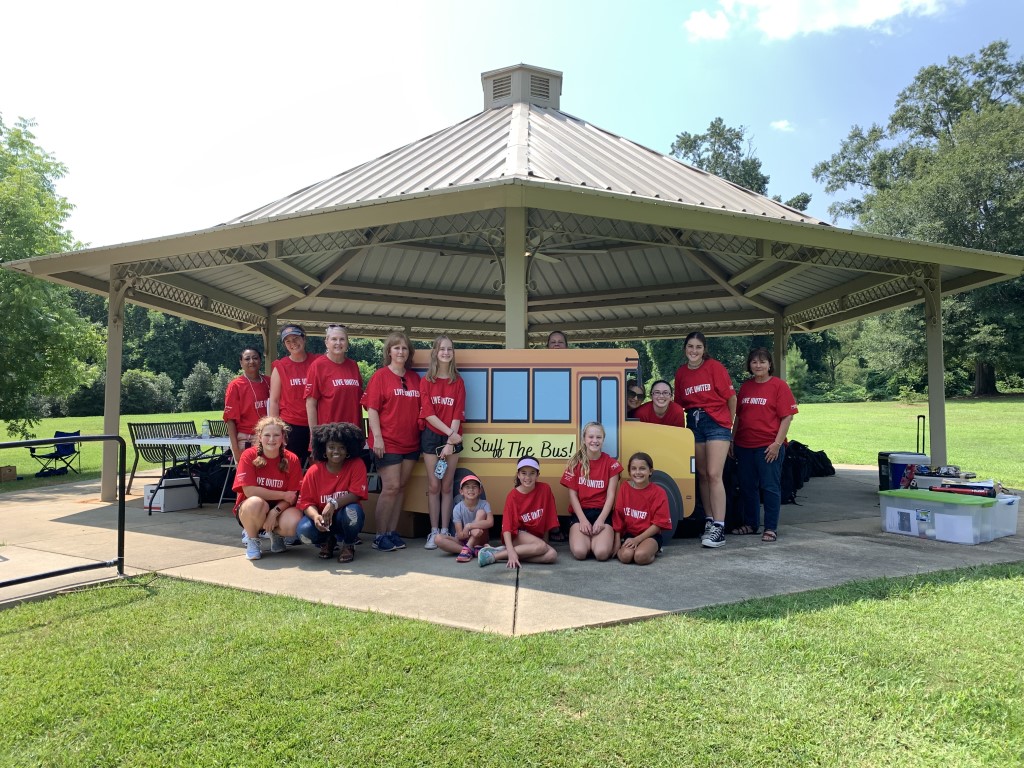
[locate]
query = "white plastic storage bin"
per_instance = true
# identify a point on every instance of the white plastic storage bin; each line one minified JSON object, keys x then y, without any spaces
{"x":175,"y":494}
{"x":948,"y":517}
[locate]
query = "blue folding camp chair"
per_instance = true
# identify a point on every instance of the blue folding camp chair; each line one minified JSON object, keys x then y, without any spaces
{"x":61,"y":458}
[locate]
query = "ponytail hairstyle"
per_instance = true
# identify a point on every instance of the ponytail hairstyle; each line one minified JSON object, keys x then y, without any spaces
{"x":580,"y":458}
{"x":261,"y":461}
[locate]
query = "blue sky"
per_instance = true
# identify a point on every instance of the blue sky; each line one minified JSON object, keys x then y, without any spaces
{"x":174,"y":117}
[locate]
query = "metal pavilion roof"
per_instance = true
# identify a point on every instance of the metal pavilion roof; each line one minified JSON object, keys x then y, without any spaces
{"x":617,"y":241}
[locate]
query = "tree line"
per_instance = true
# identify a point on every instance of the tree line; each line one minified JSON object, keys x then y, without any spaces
{"x":948,"y":167}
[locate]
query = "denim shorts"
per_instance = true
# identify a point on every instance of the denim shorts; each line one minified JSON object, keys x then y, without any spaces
{"x":704,"y":428}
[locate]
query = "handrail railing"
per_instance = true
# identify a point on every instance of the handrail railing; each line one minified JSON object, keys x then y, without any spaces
{"x":118,"y":562}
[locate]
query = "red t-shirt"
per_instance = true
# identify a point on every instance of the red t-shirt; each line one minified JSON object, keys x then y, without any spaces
{"x":593,"y":490}
{"x":398,"y":406}
{"x":319,"y":484}
{"x":637,"y":510}
{"x":337,"y":388}
{"x":709,"y":387}
{"x":533,"y":512}
{"x":245,"y":402}
{"x":674,"y":415}
{"x":444,"y":398}
{"x":269,"y":476}
{"x":292,"y":405}
{"x":759,"y":411}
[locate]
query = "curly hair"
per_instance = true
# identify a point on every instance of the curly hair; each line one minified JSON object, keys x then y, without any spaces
{"x":349,"y":435}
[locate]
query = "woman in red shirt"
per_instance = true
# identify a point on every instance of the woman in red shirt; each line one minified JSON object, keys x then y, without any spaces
{"x":527,"y":519}
{"x":245,"y":401}
{"x":442,"y":411}
{"x":334,"y":383}
{"x":288,"y":389}
{"x":267,"y":482}
{"x":704,"y":389}
{"x":332,"y":489}
{"x":765,"y":410}
{"x":392,"y":402}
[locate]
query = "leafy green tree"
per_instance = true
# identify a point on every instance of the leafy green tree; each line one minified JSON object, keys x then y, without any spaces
{"x":196,"y":389}
{"x":728,"y":153}
{"x":221,"y":379}
{"x":147,"y":392}
{"x":47,"y":349}
{"x":949,"y":168}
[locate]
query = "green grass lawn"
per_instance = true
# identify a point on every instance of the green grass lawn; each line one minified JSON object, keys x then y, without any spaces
{"x":920,"y":671}
{"x":984,"y":436}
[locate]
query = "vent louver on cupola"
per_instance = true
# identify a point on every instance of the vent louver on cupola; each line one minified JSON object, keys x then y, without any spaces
{"x":522,"y":84}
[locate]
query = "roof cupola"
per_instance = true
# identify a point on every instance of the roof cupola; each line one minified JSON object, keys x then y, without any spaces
{"x":522,"y":84}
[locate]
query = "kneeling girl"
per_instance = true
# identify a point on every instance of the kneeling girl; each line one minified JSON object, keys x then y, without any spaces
{"x":641,"y":514}
{"x":332,"y":490}
{"x":527,"y":520}
{"x":592,"y":477}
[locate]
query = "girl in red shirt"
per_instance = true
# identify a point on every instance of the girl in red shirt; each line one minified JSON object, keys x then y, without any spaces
{"x":332,"y":489}
{"x":704,"y":389}
{"x":641,"y":514}
{"x":592,"y":477}
{"x":245,"y":401}
{"x":267,"y":481}
{"x":527,"y":519}
{"x":392,"y":402}
{"x":442,"y":411}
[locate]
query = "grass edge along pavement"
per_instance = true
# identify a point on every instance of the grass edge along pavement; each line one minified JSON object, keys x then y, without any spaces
{"x":913,"y":671}
{"x":982,"y":436}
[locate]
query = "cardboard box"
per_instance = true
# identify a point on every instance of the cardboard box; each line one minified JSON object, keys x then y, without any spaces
{"x":175,"y":494}
{"x":8,"y":473}
{"x":948,"y":517}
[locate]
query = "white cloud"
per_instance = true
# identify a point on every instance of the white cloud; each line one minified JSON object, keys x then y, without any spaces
{"x":703,"y":26}
{"x":783,"y":125}
{"x":783,"y":19}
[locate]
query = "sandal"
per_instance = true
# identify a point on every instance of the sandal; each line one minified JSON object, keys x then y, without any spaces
{"x":769,"y":536}
{"x":465,"y":555}
{"x":347,"y":554}
{"x":557,"y":536}
{"x":327,"y":548}
{"x":743,"y":530}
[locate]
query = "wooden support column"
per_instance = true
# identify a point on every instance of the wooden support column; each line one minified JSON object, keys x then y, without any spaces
{"x":269,"y":342}
{"x":936,"y":366}
{"x":112,"y":386}
{"x":515,"y":278}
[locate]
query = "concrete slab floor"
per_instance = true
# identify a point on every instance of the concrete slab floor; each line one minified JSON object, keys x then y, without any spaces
{"x":831,"y":536}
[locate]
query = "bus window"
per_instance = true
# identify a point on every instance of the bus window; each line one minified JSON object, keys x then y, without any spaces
{"x":551,"y":396}
{"x":599,"y":401}
{"x":609,"y":408}
{"x":476,"y":394}
{"x":511,"y":396}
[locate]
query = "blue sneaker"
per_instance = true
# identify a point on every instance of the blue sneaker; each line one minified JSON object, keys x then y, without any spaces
{"x":383,"y":543}
{"x":486,"y":556}
{"x":397,"y":540}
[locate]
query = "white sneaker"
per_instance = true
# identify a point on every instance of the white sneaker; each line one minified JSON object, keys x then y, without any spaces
{"x":432,"y":539}
{"x":277,"y":543}
{"x":252,"y":549}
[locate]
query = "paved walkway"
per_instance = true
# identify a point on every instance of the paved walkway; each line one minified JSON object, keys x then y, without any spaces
{"x":832,"y":537}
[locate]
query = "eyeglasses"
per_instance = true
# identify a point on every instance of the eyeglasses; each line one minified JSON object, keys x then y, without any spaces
{"x":661,"y":393}
{"x":403,"y":383}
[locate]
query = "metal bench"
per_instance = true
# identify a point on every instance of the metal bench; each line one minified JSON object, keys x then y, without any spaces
{"x":158,"y":454}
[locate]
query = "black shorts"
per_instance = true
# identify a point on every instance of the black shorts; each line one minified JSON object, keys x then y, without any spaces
{"x":431,"y":442}
{"x":590,"y":514}
{"x":390,"y":459}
